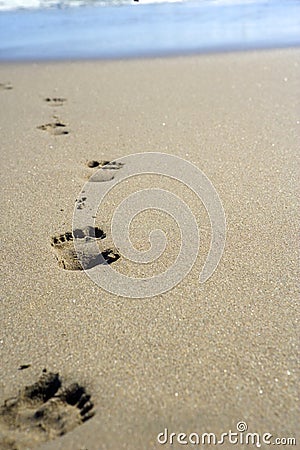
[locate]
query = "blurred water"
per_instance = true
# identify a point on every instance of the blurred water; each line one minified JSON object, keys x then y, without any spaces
{"x":133,"y":29}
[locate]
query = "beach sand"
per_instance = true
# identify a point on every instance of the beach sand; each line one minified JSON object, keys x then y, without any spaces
{"x":199,"y":358}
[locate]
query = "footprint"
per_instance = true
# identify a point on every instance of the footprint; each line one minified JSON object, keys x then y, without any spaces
{"x":108,"y":165}
{"x":105,"y":170}
{"x":55,"y":101}
{"x":6,"y":86}
{"x":67,"y":257}
{"x":57,"y":128}
{"x":43,"y":411}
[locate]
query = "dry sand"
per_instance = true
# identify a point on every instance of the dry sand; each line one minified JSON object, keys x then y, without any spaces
{"x":197,"y":358}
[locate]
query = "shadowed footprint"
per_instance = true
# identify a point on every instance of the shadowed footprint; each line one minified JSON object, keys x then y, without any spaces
{"x":106,"y":170}
{"x":69,"y":259}
{"x":55,"y":101}
{"x":43,"y":411}
{"x":57,"y":128}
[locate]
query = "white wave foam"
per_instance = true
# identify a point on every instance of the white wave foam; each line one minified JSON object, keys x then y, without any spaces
{"x":9,"y":5}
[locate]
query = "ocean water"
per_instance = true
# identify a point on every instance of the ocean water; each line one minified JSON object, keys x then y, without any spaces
{"x":87,"y":29}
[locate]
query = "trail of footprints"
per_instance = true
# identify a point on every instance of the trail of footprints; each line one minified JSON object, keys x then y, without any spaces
{"x":43,"y":411}
{"x":86,"y":257}
{"x":63,"y":244}
{"x":46,"y":409}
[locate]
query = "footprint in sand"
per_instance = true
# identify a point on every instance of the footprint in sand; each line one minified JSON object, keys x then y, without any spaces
{"x":57,"y":128}
{"x":67,"y":257}
{"x":43,"y":411}
{"x":107,"y":165}
{"x":55,"y":101}
{"x":106,"y":170}
{"x":5,"y":86}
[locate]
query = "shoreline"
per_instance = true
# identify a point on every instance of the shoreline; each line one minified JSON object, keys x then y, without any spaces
{"x":152,"y":57}
{"x":147,"y":30}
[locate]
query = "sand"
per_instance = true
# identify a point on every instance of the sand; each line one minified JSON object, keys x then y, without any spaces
{"x":199,"y":358}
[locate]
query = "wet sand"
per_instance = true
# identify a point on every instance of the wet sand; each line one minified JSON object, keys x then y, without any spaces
{"x":199,"y":358}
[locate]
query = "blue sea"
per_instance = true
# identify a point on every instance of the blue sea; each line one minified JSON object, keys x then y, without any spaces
{"x":88,"y":29}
